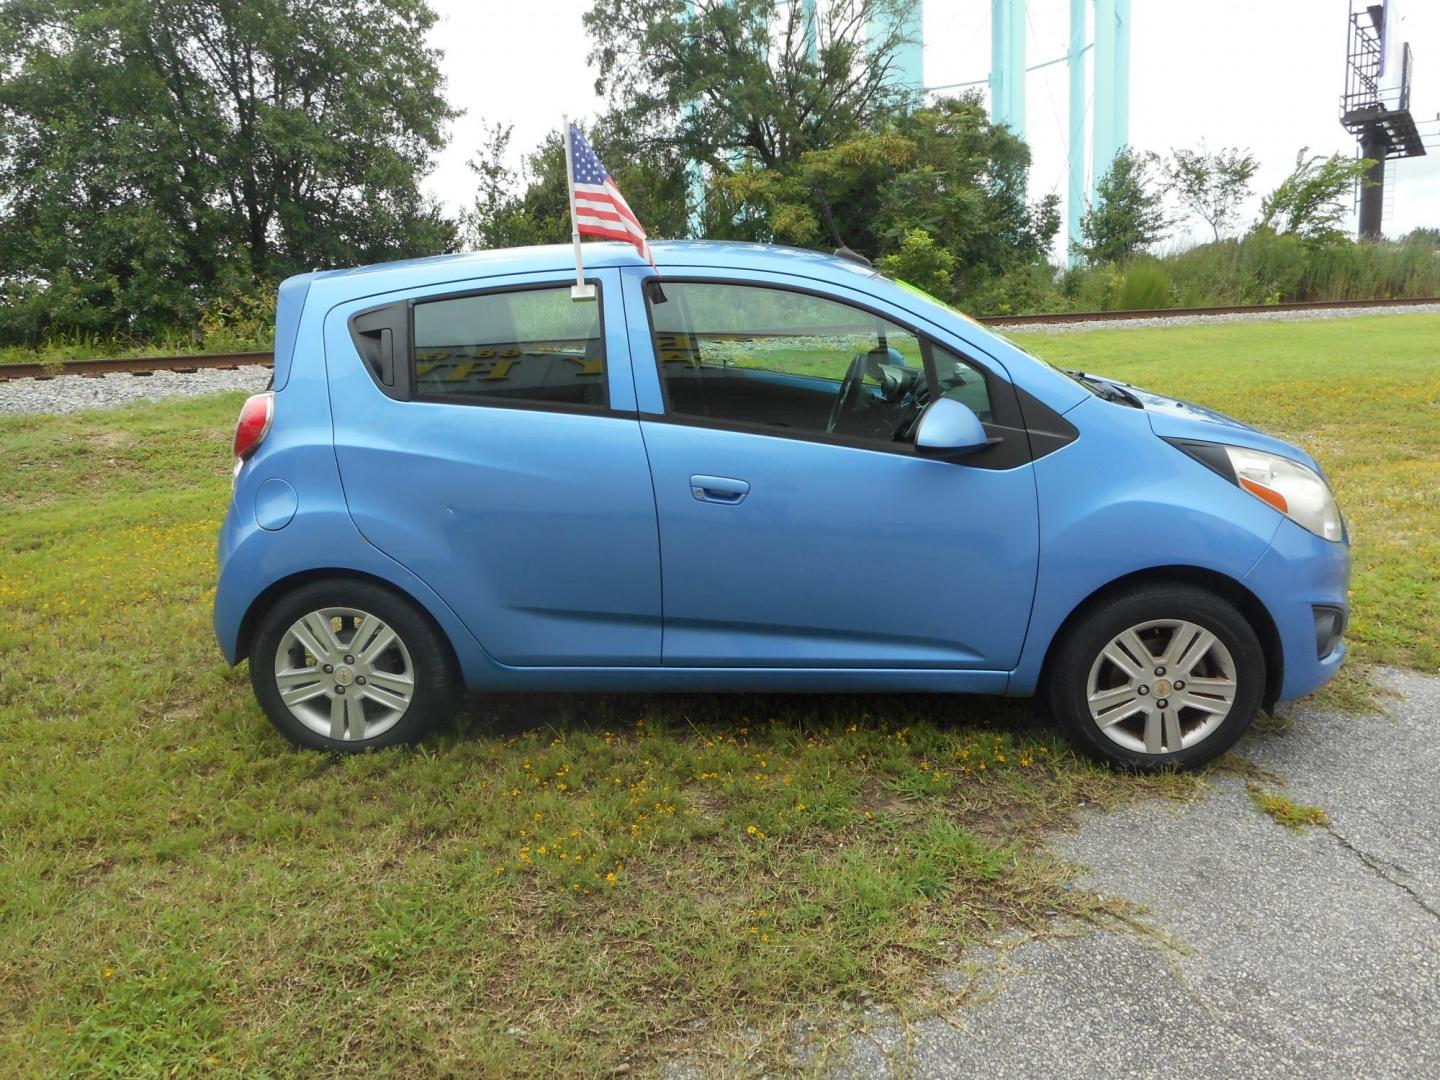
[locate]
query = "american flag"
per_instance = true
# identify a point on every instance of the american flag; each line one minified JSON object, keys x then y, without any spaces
{"x":600,"y":209}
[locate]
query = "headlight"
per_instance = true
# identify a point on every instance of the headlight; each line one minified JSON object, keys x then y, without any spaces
{"x":1294,"y":489}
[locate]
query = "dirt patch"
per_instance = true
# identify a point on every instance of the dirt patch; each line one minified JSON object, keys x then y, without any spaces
{"x":705,"y":802}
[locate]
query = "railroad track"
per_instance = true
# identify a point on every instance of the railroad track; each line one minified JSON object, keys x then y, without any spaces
{"x":147,"y":365}
{"x":137,"y":365}
{"x":1175,"y":313}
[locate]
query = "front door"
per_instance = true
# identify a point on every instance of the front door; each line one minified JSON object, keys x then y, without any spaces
{"x":798,"y":527}
{"x":495,"y":453}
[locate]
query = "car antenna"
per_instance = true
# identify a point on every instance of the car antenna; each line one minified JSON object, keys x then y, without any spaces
{"x":842,"y":251}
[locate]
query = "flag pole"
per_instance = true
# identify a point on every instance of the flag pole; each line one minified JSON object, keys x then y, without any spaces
{"x":580,"y":290}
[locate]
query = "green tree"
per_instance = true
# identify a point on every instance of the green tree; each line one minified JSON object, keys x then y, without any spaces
{"x":944,"y":170}
{"x":528,"y":206}
{"x":1310,"y":202}
{"x":920,"y":262}
{"x":154,"y":155}
{"x":1128,"y":214}
{"x":1212,"y":185}
{"x":739,"y":78}
{"x":499,"y":216}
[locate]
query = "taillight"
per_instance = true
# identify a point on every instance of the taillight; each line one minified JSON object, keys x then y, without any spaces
{"x":254,"y":423}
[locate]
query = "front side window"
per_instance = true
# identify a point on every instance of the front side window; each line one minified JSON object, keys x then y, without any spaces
{"x":530,"y":346}
{"x":962,"y":381}
{"x":785,"y":360}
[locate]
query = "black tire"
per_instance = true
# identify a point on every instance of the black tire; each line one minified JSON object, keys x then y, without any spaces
{"x":423,"y":651}
{"x":1067,"y":678}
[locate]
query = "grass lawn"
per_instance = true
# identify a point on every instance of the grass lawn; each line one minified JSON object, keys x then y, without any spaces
{"x":567,"y":883}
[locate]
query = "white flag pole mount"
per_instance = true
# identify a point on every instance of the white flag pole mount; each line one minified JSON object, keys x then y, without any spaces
{"x":581,"y":290}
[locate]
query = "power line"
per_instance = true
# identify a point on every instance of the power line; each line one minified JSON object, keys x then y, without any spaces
{"x":1028,"y":70}
{"x":1054,"y":109}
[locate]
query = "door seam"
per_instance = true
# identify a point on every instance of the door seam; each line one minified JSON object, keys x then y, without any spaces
{"x":625,"y":286}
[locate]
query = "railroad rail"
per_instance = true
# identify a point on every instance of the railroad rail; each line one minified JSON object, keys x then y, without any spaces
{"x":147,"y":365}
{"x":135,"y":365}
{"x":1176,"y":313}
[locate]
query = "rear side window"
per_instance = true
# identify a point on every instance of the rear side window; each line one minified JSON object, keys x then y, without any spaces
{"x":521,"y":347}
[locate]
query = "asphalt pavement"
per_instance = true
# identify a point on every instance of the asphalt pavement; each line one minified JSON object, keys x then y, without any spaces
{"x":1276,"y":953}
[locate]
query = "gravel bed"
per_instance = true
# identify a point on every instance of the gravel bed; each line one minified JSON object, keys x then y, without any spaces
{"x":1190,"y":320}
{"x":72,"y":393}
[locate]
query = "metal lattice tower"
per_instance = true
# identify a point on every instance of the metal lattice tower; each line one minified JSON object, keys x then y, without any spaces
{"x":1375,"y":105}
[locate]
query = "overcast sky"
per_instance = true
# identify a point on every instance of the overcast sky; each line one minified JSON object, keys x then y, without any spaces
{"x":1262,"y":74}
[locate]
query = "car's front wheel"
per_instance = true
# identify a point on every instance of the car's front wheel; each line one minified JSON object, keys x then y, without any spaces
{"x":347,"y":665}
{"x":1159,"y":676}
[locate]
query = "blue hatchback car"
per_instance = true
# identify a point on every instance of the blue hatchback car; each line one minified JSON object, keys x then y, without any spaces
{"x":756,"y":468}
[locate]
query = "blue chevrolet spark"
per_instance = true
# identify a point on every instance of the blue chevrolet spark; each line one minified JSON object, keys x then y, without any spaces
{"x":756,"y":468}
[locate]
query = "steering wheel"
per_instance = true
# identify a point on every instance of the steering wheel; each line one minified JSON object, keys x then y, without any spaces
{"x":905,"y":431}
{"x":849,"y":394}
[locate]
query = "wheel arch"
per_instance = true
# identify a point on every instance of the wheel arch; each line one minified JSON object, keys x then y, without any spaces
{"x":1224,"y":586}
{"x":277,"y":589}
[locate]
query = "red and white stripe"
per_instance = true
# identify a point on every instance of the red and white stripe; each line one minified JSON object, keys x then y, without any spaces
{"x":600,"y":210}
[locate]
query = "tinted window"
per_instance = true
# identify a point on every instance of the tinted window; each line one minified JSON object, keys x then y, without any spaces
{"x":752,"y":355}
{"x":535,"y":345}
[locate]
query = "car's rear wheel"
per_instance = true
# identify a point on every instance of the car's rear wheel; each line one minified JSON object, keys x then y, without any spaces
{"x":1156,"y":677}
{"x":348,"y":665}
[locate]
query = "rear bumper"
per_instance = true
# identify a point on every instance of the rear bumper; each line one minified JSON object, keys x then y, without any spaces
{"x":1298,"y":573}
{"x":230,"y":602}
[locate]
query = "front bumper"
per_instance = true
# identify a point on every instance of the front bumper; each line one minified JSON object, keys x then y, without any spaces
{"x":1298,"y":574}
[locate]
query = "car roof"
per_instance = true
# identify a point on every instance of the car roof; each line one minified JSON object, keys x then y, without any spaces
{"x":340,"y":285}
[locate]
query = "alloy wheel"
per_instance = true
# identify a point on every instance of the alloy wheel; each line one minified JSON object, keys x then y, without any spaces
{"x":1161,"y":686}
{"x":344,"y":673}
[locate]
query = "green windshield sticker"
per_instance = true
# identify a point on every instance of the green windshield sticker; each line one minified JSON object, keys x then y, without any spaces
{"x":917,"y":291}
{"x":920,"y":292}
{"x":933,"y":299}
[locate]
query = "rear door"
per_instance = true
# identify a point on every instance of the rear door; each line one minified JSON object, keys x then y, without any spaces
{"x":487,"y":440}
{"x":798,"y":526}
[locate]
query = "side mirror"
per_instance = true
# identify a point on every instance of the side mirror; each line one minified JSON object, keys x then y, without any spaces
{"x":949,"y":429}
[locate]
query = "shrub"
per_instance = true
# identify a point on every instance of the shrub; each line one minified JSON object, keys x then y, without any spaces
{"x":1092,"y":288}
{"x":240,"y":322}
{"x":1266,"y":268}
{"x":1024,"y":290}
{"x":922,"y":263}
{"x":1146,"y":285}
